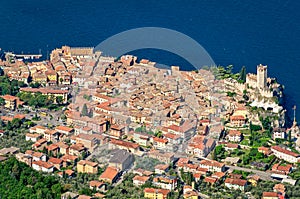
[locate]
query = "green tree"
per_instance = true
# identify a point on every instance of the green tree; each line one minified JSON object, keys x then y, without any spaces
{"x":16,"y":123}
{"x":243,"y":74}
{"x":34,"y":84}
{"x":84,"y":111}
{"x":289,"y":136}
{"x":2,"y":101}
{"x":59,"y":99}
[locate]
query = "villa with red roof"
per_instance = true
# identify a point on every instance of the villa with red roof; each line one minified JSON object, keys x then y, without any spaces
{"x":285,"y":154}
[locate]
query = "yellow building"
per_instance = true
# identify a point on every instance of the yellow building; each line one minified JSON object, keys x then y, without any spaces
{"x":51,"y":77}
{"x":84,"y":166}
{"x":190,"y":195}
{"x":39,"y":77}
{"x":11,"y":102}
{"x":253,"y":179}
{"x":156,"y":193}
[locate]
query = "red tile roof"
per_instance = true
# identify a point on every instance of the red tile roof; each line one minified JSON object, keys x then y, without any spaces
{"x":68,"y":158}
{"x":237,"y":117}
{"x":43,"y":164}
{"x":210,"y":180}
{"x":165,"y":192}
{"x":234,"y":133}
{"x":279,"y":149}
{"x":270,"y":194}
{"x":86,"y":162}
{"x":212,"y":163}
{"x":95,"y":183}
{"x":161,"y":140}
{"x":54,"y":161}
{"x":64,"y":128}
{"x":141,"y":178}
{"x":124,"y":143}
{"x":233,"y":181}
{"x":109,"y":173}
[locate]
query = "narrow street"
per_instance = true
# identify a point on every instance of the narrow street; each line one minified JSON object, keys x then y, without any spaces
{"x":262,"y":174}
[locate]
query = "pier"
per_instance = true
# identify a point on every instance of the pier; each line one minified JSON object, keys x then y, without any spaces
{"x":24,"y":56}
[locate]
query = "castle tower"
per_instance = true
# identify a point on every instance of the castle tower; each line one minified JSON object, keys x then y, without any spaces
{"x":261,"y":76}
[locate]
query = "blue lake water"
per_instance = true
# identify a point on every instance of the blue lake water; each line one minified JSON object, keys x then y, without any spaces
{"x":232,"y":31}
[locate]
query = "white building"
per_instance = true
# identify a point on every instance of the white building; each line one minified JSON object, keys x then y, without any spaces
{"x":286,"y":155}
{"x":279,"y":133}
{"x":235,"y":183}
{"x":212,"y":165}
{"x":42,"y":166}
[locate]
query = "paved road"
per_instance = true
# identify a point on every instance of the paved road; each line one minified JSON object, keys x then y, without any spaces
{"x":262,"y":174}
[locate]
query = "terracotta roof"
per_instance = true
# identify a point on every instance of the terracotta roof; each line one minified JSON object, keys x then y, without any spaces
{"x":52,"y":147}
{"x":77,"y":147}
{"x":34,"y":154}
{"x":53,"y":160}
{"x":117,"y":127}
{"x":279,"y":149}
{"x":197,"y":175}
{"x":232,"y":145}
{"x":68,"y":172}
{"x":95,"y":183}
{"x":141,"y":178}
{"x":43,"y":164}
{"x":84,"y":197}
{"x":234,"y":133}
{"x":162,"y":167}
{"x":86,"y":162}
{"x":279,"y":188}
{"x":171,"y":136}
{"x":124,"y":143}
{"x":144,"y":61}
{"x":210,"y":180}
{"x":239,"y":182}
{"x":162,"y":140}
{"x":161,"y":191}
{"x":218,"y":174}
{"x":64,"y":128}
{"x":237,"y":117}
{"x":19,"y":116}
{"x":286,"y":168}
{"x":6,"y":118}
{"x":109,"y":173}
{"x":9,"y":97}
{"x":62,"y":145}
{"x":67,"y":158}
{"x":212,"y":163}
{"x":270,"y":194}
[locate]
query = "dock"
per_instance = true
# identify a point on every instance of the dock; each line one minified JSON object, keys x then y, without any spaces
{"x":23,"y":56}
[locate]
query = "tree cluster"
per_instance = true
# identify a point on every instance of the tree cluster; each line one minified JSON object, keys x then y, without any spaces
{"x":20,"y":181}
